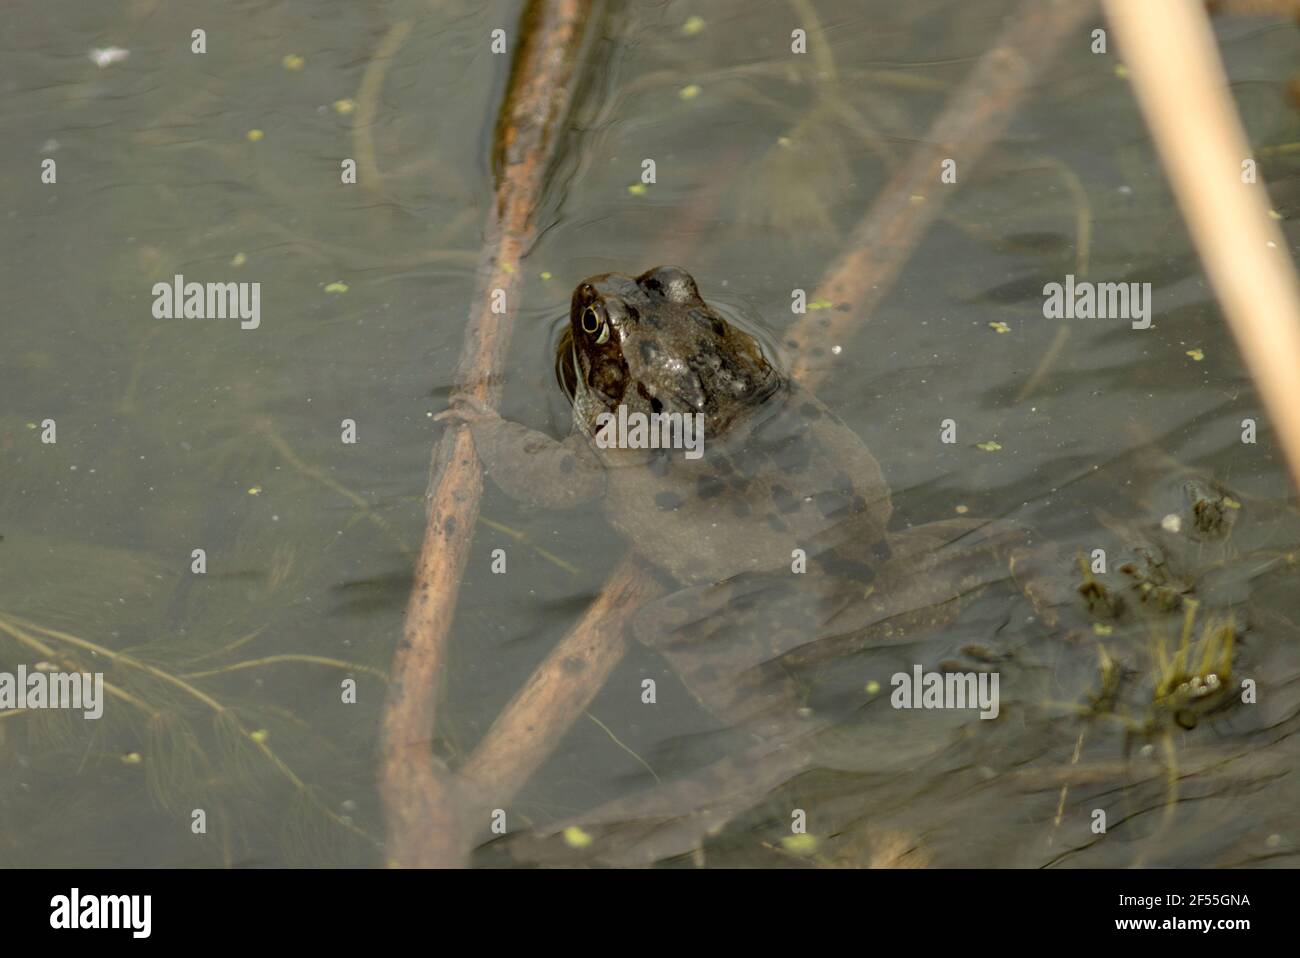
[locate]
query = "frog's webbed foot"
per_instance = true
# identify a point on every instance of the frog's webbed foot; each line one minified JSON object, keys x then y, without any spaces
{"x":978,"y":552}
{"x":931,"y":573}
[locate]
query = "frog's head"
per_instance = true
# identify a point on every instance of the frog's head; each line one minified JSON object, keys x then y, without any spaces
{"x":652,"y":344}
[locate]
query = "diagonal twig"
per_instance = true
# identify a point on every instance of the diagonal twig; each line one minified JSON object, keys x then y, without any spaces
{"x":422,"y":803}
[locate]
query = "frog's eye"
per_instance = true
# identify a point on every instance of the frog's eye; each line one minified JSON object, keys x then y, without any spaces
{"x":593,"y":322}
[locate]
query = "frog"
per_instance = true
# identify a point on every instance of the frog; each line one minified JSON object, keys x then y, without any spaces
{"x":774,"y":542}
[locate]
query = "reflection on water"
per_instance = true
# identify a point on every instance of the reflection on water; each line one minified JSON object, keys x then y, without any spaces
{"x":252,"y":692}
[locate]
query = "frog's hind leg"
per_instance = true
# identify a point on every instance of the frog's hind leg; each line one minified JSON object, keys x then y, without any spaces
{"x":743,"y":646}
{"x":720,"y":640}
{"x":929,"y":574}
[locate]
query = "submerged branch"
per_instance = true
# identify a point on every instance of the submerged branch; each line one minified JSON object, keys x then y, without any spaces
{"x":908,"y":204}
{"x":421,"y":800}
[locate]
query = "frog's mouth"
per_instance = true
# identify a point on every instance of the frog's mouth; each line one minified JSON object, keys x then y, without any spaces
{"x":566,"y":365}
{"x":580,"y":395}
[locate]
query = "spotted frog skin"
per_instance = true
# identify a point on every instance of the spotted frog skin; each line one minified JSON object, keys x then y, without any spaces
{"x":780,"y":477}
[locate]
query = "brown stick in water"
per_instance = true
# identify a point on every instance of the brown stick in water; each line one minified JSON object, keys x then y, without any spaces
{"x":422,"y":803}
{"x":908,"y":204}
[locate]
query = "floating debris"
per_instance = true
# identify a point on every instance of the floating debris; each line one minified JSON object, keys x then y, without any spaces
{"x":693,"y":25}
{"x":336,"y":287}
{"x":344,"y":106}
{"x":108,"y":56}
{"x":689,"y":92}
{"x":254,"y":136}
{"x":575,"y":837}
{"x":292,"y":61}
{"x":800,"y":844}
{"x":989,"y":446}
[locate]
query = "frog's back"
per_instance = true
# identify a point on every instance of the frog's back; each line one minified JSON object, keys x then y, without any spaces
{"x":788,"y":476}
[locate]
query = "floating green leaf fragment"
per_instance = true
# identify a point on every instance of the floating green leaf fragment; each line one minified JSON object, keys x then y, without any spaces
{"x":292,"y":61}
{"x":817,"y":304}
{"x":693,"y":25}
{"x":31,"y":425}
{"x":545,"y":274}
{"x":999,"y":327}
{"x":1230,"y":503}
{"x":255,"y":491}
{"x":254,"y":136}
{"x":260,"y":736}
{"x":1196,"y":354}
{"x":575,"y":837}
{"x":1121,"y":71}
{"x":239,"y":259}
{"x":1274,"y":214}
{"x":1101,"y":628}
{"x":508,"y":268}
{"x":800,"y":844}
{"x":132,"y":758}
{"x":336,"y":287}
{"x":689,"y":92}
{"x":637,"y":189}
{"x":989,"y":446}
{"x":873,"y":687}
{"x":344,"y":106}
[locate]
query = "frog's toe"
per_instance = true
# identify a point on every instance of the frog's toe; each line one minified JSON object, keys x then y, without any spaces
{"x":466,"y":409}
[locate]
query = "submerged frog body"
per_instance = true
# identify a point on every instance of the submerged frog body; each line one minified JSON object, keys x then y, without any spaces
{"x":775,"y":536}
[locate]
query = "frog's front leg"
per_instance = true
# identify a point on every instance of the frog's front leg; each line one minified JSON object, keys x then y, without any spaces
{"x":529,"y":466}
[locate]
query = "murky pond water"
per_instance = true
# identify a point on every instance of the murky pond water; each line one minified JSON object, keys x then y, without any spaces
{"x":227,"y":692}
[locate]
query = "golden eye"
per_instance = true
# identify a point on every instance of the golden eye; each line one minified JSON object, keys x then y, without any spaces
{"x":590,"y":321}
